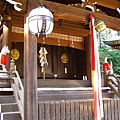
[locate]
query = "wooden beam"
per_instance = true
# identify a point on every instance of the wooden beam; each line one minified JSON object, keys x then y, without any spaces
{"x":113,"y":4}
{"x":71,"y":31}
{"x":70,"y":13}
{"x":18,"y":37}
{"x":61,"y":11}
{"x":62,"y":42}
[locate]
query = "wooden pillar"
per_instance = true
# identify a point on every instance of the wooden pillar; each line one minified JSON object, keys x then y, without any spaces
{"x":5,"y":34}
{"x":88,"y":56}
{"x":30,"y":72}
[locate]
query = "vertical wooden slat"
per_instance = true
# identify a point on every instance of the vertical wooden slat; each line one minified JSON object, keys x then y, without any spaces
{"x":81,"y":110}
{"x":67,"y":110}
{"x":119,"y":110}
{"x":47,"y":111}
{"x":62,"y":110}
{"x":109,"y":109}
{"x":105,"y":109}
{"x":52,"y":111}
{"x":112,"y":106}
{"x":90,"y":110}
{"x":85,"y":110}
{"x":72,"y":109}
{"x":58,"y":111}
{"x":116,"y":109}
{"x":41,"y":111}
{"x":76,"y":110}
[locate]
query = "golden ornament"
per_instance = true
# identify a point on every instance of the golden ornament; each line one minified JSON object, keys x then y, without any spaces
{"x":64,"y":58}
{"x":15,"y":54}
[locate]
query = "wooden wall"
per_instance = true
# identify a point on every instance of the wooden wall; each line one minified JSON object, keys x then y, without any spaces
{"x":76,"y":66}
{"x":78,"y":110}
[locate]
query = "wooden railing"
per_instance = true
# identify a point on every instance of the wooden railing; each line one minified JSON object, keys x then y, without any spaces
{"x":77,"y":110}
{"x":114,"y":83}
{"x":18,"y":92}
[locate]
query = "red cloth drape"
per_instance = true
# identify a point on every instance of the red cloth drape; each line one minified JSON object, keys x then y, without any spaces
{"x":95,"y":70}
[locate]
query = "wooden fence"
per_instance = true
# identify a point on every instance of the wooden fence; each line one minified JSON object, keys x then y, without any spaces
{"x":78,"y":110}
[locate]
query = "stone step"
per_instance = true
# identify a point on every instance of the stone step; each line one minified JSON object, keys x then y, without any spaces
{"x":7,"y":99}
{"x":11,"y":116}
{"x":11,"y":107}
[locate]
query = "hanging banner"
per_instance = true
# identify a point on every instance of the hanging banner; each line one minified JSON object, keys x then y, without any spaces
{"x":95,"y":71}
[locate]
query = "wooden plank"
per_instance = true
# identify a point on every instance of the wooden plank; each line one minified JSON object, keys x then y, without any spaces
{"x":18,"y":100}
{"x":81,"y":110}
{"x":119,"y":110}
{"x":105,"y":109}
{"x":78,"y":110}
{"x":76,"y":103}
{"x":11,"y":116}
{"x":5,"y":85}
{"x":41,"y":110}
{"x":18,"y":37}
{"x":52,"y":111}
{"x":72,"y":110}
{"x":57,"y":110}
{"x":63,"y":111}
{"x":5,"y":99}
{"x":47,"y":111}
{"x":85,"y":110}
{"x":63,"y":83}
{"x":60,"y":95}
{"x":67,"y":105}
{"x":113,"y":109}
{"x":116,"y":109}
{"x":90,"y":110}
{"x":109,"y":110}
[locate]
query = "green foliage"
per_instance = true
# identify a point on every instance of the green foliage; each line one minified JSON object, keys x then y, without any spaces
{"x":112,"y":55}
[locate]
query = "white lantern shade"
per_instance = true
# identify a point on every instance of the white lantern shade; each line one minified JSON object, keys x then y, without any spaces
{"x":40,"y":21}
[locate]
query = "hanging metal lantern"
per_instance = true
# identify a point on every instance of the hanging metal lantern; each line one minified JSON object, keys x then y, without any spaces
{"x":100,"y":25}
{"x":40,"y":21}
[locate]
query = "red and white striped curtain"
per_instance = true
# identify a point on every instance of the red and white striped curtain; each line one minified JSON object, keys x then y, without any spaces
{"x":96,"y":74}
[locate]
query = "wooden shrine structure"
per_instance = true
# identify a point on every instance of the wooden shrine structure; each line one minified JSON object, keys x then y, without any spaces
{"x":68,"y":48}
